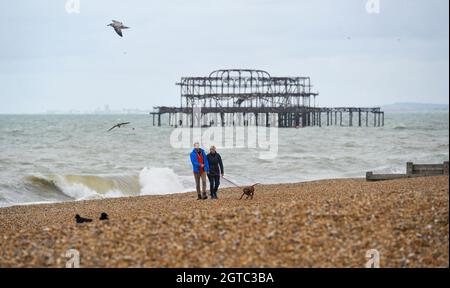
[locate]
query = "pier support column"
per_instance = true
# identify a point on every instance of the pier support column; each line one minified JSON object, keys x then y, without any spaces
{"x":328,"y":118}
{"x":159,"y":119}
{"x":335,"y":118}
{"x":382,"y":115}
{"x":374,"y":119}
{"x":367,"y":118}
{"x":359,"y":117}
{"x":350,"y":119}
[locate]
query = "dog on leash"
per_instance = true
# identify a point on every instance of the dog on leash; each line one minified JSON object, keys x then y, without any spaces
{"x":249,"y":191}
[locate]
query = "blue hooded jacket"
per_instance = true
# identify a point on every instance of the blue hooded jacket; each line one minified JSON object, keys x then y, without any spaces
{"x":194,"y":160}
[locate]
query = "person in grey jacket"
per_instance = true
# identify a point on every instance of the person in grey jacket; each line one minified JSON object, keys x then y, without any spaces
{"x":215,"y":171}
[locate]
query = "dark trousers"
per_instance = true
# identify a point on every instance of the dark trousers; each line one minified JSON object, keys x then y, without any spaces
{"x":214,"y":182}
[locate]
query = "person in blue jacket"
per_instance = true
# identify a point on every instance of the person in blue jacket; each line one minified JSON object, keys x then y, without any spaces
{"x":200,"y":168}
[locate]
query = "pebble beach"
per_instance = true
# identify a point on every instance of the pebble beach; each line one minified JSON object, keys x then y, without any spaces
{"x":326,"y":223}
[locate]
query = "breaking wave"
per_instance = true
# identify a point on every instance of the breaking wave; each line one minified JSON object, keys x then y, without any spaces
{"x":150,"y":181}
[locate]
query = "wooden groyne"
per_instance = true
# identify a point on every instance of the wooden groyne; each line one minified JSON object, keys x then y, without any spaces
{"x":412,"y":170}
{"x":253,"y":97}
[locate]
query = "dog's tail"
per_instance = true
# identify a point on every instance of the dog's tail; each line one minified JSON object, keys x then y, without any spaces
{"x":255,"y":184}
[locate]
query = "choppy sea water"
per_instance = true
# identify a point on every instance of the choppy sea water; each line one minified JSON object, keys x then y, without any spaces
{"x":51,"y":158}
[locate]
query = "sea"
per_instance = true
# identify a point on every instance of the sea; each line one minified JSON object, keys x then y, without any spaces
{"x":55,"y":158}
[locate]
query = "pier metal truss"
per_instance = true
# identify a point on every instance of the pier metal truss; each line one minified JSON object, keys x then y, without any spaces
{"x":254,"y":95}
{"x":245,"y":88}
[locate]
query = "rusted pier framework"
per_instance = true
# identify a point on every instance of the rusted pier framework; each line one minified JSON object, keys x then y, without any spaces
{"x":253,"y":97}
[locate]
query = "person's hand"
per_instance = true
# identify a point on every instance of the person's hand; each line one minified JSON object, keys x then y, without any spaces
{"x":223,"y":174}
{"x":203,"y":165}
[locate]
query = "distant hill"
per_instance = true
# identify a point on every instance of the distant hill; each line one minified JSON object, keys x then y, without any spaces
{"x":415,"y":107}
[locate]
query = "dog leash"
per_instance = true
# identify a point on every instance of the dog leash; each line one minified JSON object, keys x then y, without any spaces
{"x":231,"y":182}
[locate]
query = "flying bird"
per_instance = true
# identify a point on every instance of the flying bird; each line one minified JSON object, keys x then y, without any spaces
{"x":118,"y":26}
{"x":118,"y":125}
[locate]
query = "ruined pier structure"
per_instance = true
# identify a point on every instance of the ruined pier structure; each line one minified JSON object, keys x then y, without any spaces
{"x":254,"y":97}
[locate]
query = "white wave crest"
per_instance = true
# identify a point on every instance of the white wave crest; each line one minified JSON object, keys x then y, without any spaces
{"x":159,"y":181}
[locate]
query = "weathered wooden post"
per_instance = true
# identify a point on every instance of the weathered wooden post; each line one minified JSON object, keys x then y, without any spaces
{"x":350,"y":118}
{"x":445,"y":170}
{"x":382,"y":114}
{"x":367,"y":118}
{"x":409,"y":168}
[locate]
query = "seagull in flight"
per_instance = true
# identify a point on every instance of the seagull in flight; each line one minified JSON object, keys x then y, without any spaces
{"x":118,"y":26}
{"x":118,"y":125}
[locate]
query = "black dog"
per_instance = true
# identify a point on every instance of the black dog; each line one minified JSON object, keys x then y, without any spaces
{"x":80,"y":219}
{"x":104,"y":216}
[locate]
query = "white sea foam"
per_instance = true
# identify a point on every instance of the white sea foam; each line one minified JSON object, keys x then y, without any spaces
{"x":159,"y":181}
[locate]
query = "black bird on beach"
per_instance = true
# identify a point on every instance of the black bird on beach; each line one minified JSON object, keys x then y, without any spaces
{"x":80,"y":219}
{"x":104,"y":216}
{"x":118,"y":125}
{"x":118,"y":26}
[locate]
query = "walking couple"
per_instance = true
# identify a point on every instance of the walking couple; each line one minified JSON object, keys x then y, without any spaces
{"x":206,"y":165}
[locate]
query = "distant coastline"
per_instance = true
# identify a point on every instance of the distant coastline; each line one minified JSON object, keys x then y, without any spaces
{"x":395,"y":107}
{"x":415,"y":107}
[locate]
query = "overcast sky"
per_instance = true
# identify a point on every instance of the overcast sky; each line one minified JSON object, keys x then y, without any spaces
{"x":53,"y":60}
